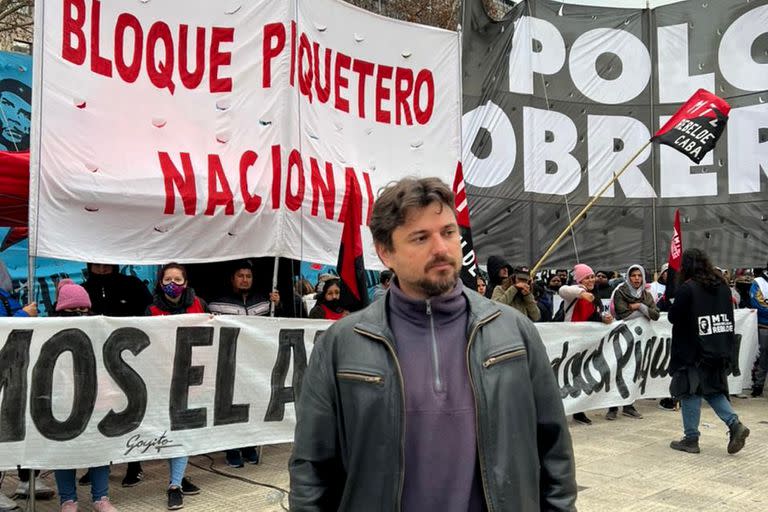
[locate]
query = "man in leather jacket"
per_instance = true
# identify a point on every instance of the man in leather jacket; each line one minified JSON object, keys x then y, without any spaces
{"x":434,"y":398}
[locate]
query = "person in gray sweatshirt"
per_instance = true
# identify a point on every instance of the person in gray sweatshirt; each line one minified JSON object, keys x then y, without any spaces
{"x":433,"y":398}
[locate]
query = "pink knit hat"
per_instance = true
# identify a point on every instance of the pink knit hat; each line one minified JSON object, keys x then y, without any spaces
{"x":580,"y":271}
{"x":72,"y":296}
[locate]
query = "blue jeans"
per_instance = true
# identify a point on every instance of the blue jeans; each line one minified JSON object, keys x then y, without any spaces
{"x":67,"y":485}
{"x":691,"y":408}
{"x":177,"y":467}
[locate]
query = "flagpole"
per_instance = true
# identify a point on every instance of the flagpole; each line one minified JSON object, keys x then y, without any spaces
{"x":274,"y":284}
{"x":600,"y":192}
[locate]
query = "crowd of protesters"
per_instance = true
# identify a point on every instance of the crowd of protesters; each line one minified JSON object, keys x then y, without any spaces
{"x":576,"y":295}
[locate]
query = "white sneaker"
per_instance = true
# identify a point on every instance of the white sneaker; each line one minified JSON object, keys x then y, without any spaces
{"x":42,"y":491}
{"x":7,"y":503}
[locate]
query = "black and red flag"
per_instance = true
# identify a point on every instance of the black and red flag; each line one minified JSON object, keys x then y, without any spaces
{"x":350,"y":266}
{"x":695,"y":128}
{"x":468,"y":260}
{"x":675,"y":259}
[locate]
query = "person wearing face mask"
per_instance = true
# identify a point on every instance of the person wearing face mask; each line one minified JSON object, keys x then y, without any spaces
{"x":73,"y":300}
{"x":173,"y":296}
{"x":328,"y":304}
{"x":580,"y":304}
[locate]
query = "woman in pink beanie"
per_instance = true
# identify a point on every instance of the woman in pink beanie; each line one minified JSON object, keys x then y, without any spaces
{"x":580,"y":304}
{"x":73,"y":300}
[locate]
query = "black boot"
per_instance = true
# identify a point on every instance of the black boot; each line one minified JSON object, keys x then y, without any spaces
{"x":739,"y":434}
{"x":686,"y":444}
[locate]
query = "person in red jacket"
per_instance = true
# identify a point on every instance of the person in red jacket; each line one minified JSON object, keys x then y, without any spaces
{"x":581,"y":304}
{"x":173,"y":296}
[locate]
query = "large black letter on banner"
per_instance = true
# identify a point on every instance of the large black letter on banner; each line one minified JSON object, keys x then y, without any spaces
{"x":186,"y":375}
{"x":281,"y":395}
{"x":84,"y":383}
{"x":224,"y":411}
{"x":116,"y":424}
{"x":14,"y":361}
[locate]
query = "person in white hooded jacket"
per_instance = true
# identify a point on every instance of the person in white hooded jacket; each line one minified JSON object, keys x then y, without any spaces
{"x":630,"y":300}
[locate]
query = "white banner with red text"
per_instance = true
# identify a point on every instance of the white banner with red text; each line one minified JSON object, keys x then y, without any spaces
{"x":203,"y":131}
{"x":79,"y":392}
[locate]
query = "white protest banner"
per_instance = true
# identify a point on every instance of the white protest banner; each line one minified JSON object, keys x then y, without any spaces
{"x":599,"y":365}
{"x":204,"y":131}
{"x":79,"y":392}
{"x":96,"y":390}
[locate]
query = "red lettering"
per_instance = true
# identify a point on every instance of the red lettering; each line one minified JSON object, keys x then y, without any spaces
{"x":340,"y":81}
{"x":191,"y":79}
{"x":160,"y":74}
{"x":252,"y":202}
{"x":305,"y":77}
{"x":73,"y":27}
{"x":403,"y":90}
{"x":326,"y":188}
{"x":350,"y":183}
{"x":219,"y":58}
{"x":369,"y":191}
{"x":218,"y":196}
{"x":277,"y":176}
{"x":293,"y":201}
{"x":382,"y":93}
{"x":323,"y":93}
{"x":363,"y":69}
{"x":99,"y":64}
{"x":274,"y":43}
{"x":128,"y":72}
{"x":293,"y":51}
{"x":185,"y":184}
{"x":424,"y":78}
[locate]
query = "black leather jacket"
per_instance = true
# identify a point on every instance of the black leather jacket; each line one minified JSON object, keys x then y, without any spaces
{"x":348,"y":446}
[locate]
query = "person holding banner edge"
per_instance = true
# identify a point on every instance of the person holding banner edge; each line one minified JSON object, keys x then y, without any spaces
{"x":173,"y":296}
{"x":630,"y":300}
{"x":580,"y":304}
{"x":244,"y":300}
{"x":73,"y":300}
{"x":419,"y":384}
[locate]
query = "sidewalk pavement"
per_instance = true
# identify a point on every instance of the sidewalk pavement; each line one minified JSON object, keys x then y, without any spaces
{"x":622,"y":465}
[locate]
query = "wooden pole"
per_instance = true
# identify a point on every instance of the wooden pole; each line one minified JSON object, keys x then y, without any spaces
{"x":576,"y":219}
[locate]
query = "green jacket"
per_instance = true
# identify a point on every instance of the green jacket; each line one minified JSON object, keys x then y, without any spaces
{"x":526,"y":304}
{"x":349,"y":440}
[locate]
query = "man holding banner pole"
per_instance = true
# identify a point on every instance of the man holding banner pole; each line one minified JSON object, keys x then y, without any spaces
{"x":406,"y":405}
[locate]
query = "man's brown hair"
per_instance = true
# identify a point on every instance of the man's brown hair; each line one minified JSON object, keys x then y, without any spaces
{"x":398,"y":198}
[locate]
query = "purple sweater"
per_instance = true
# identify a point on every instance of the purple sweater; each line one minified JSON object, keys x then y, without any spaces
{"x":441,"y":470}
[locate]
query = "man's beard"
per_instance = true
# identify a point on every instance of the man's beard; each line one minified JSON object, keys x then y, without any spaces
{"x":441,"y":285}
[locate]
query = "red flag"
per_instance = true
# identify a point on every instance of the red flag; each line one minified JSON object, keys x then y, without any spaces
{"x":676,"y":245}
{"x":14,"y":188}
{"x":468,"y":260}
{"x":350,"y":266}
{"x":695,"y":128}
{"x":674,"y":261}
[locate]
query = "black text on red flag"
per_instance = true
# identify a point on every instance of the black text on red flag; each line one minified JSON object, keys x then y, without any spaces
{"x":695,"y":128}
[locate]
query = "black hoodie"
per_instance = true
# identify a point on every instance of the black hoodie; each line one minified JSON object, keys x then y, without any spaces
{"x":495,"y":264}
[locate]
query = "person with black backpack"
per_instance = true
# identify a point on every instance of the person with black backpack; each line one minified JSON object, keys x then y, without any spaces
{"x":702,"y":350}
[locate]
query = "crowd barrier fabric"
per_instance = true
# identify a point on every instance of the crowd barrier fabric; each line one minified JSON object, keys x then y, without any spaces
{"x":79,"y":392}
